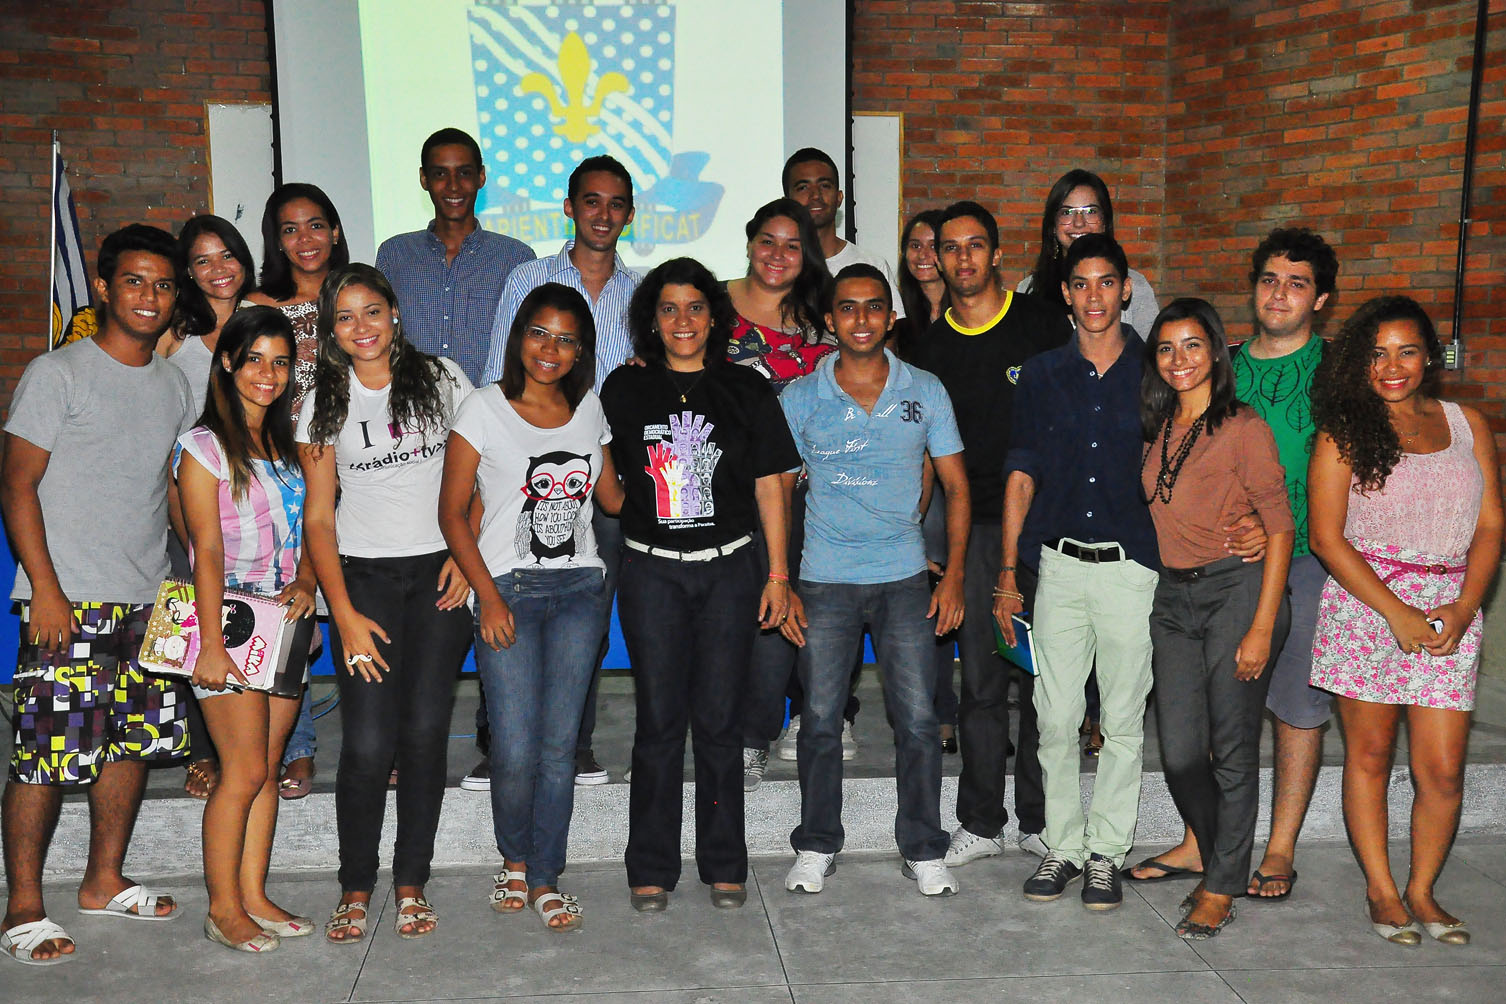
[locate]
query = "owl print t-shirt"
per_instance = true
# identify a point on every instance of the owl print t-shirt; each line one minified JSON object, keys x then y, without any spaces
{"x":535,"y":484}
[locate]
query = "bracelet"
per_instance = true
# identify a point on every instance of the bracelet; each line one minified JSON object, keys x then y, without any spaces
{"x":777,"y":577}
{"x":1009,"y":594}
{"x":1005,"y":568}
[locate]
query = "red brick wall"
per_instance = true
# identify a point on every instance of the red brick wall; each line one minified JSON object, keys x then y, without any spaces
{"x":125,"y":83}
{"x":1001,"y":99}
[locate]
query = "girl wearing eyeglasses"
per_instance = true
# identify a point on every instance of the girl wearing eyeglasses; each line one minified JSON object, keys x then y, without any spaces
{"x":531,"y":444}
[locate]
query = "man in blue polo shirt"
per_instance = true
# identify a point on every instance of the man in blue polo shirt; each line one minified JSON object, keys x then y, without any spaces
{"x":1078,"y":536}
{"x":864,"y":423}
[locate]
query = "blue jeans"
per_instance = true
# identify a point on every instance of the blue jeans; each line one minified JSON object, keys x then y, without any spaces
{"x":302,"y":742}
{"x":688,"y":627}
{"x":534,"y":693}
{"x":905,"y":641}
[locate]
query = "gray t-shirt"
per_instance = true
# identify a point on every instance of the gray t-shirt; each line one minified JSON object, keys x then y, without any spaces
{"x":194,"y":359}
{"x":110,"y":430}
{"x":851,"y":254}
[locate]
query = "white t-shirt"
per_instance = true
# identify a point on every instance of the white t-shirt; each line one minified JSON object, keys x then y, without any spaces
{"x":535,"y":484}
{"x":389,"y":477}
{"x":851,"y":254}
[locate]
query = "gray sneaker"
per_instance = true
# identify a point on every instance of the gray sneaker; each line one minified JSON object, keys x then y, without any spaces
{"x":786,"y":747}
{"x":1100,"y":884}
{"x":1051,"y":879}
{"x":1031,"y":843}
{"x":755,"y":762}
{"x":968,"y":846}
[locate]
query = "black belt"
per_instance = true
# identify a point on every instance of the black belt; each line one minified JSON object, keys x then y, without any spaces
{"x":1092,"y":555}
{"x":1203,"y":571}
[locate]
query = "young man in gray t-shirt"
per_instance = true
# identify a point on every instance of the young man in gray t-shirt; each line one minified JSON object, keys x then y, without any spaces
{"x":86,"y":500}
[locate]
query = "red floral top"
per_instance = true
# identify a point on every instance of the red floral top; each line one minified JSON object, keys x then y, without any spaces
{"x":781,"y":356}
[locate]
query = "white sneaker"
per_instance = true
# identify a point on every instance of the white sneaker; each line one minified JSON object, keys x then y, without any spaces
{"x":809,"y":871}
{"x":932,"y":877}
{"x":1031,"y":843}
{"x":786,"y":745}
{"x":849,"y":742}
{"x":755,"y":762}
{"x":968,"y":846}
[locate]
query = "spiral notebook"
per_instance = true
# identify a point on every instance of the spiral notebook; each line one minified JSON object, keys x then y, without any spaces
{"x":272,"y":652}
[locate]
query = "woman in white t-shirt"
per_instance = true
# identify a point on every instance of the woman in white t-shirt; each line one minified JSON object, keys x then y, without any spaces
{"x":531,"y":444}
{"x":373,"y":436}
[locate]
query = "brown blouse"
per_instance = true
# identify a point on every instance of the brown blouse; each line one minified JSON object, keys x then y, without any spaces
{"x":1227,"y":475}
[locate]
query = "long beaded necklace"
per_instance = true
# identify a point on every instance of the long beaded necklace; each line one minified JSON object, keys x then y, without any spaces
{"x":1171,"y":464}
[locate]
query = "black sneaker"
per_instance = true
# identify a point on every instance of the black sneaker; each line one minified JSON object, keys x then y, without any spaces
{"x":587,"y":770}
{"x":1051,"y":879}
{"x":1100,"y":884}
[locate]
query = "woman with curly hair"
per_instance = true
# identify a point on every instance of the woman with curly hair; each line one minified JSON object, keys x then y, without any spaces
{"x":702,"y":446}
{"x":1217,"y":622}
{"x":1405,"y":511}
{"x":779,"y":329}
{"x":372,"y":442}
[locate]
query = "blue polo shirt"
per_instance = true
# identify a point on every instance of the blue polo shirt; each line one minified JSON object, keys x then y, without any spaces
{"x":862,"y":516}
{"x":1076,"y":432}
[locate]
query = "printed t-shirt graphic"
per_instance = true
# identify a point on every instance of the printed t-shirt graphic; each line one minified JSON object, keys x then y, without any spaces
{"x":682,"y":459}
{"x":554,"y":520}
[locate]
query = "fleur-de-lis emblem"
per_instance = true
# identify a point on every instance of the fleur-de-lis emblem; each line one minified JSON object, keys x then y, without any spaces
{"x":575,"y":69}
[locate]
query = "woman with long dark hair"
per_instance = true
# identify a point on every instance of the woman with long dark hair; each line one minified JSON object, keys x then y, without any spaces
{"x":372,"y":445}
{"x":703,"y":447}
{"x":532,"y":445}
{"x":242,"y":496}
{"x":1405,"y":511}
{"x":1217,"y":622}
{"x":1078,"y":204}
{"x":922,"y":290}
{"x":780,"y":329}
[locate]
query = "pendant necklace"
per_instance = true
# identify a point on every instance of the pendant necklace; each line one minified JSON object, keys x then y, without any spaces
{"x":1171,"y":463}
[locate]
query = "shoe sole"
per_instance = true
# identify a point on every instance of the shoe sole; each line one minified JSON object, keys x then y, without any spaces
{"x":971,"y":858}
{"x":909,"y":873}
{"x":470,"y":784}
{"x":1100,"y":907}
{"x":586,"y":780}
{"x":752,"y":785}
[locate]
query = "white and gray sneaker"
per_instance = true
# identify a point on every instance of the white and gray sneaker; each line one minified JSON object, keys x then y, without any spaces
{"x":968,"y":846}
{"x":755,"y":762}
{"x":809,"y":871}
{"x":1031,"y":843}
{"x":786,"y":745}
{"x":932,"y":877}
{"x":849,"y":742}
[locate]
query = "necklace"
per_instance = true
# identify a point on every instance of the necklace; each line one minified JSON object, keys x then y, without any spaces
{"x":1171,"y":463}
{"x":686,"y":389}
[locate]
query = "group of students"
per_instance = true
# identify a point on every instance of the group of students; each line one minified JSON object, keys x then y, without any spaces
{"x":751,"y":467}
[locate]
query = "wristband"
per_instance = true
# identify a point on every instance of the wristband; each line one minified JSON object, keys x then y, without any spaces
{"x":776,"y":577}
{"x":1005,"y":568}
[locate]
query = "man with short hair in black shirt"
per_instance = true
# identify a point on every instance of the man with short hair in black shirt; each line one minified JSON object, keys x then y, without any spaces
{"x":977,"y":348}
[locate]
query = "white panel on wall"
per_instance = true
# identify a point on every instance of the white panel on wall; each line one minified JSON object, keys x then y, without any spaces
{"x":240,"y":167}
{"x":876,"y":183}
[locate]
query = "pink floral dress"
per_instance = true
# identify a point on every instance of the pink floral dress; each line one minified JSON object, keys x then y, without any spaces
{"x":1415,"y":533}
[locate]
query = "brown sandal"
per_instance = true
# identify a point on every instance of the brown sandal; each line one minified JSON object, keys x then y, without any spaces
{"x":203,"y":777}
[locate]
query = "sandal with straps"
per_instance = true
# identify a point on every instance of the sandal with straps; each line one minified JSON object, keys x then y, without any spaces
{"x":502,"y":896}
{"x":340,"y":920}
{"x":425,"y":912}
{"x":553,"y":904}
{"x":21,"y":941}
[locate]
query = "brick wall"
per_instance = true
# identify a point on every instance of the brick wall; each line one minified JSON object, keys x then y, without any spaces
{"x":125,"y":83}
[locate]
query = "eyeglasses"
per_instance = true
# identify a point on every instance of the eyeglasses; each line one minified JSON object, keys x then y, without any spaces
{"x":565,"y":343}
{"x":1085,"y":214}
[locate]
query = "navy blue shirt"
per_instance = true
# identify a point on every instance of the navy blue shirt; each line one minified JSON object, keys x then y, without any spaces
{"x":1078,"y":437}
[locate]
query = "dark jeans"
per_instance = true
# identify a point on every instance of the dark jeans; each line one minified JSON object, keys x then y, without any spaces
{"x":983,"y":718}
{"x":537,"y":686}
{"x":905,"y":642}
{"x":772,"y":677}
{"x":688,"y":626}
{"x":934,"y":528}
{"x":608,"y":533}
{"x":403,"y":720}
{"x":1209,"y":722}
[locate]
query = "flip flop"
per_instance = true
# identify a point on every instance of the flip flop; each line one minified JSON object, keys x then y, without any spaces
{"x":23,"y":939}
{"x":136,"y":902}
{"x":291,"y":788}
{"x":1261,"y":881}
{"x":1169,"y":873}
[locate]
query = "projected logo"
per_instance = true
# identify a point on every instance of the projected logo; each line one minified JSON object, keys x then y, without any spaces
{"x":557,"y":83}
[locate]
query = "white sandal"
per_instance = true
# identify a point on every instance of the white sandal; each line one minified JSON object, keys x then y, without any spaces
{"x":425,"y":912}
{"x":502,"y":896}
{"x":23,"y":939}
{"x":551,"y":904}
{"x":135,"y":902}
{"x":341,"y":920}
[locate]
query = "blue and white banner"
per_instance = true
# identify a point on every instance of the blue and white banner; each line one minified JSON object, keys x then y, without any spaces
{"x":70,"y":281}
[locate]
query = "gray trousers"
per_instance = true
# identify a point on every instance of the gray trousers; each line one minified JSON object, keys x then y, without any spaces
{"x":1209,"y":722}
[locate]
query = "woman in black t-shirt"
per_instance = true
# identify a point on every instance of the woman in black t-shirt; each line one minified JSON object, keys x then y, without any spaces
{"x":701,"y":446}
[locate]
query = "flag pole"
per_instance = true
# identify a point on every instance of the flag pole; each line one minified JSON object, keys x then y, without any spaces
{"x":52,"y":232}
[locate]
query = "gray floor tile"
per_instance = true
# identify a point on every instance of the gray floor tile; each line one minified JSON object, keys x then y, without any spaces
{"x":730,"y":995}
{"x":1184,"y":988}
{"x":1367,"y":986}
{"x":478,"y":953}
{"x":909,"y":937}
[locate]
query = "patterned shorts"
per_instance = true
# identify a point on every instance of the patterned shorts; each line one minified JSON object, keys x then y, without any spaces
{"x":90,"y":704}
